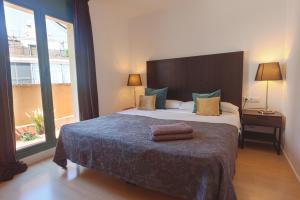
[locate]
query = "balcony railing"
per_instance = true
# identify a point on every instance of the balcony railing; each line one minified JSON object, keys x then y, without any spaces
{"x":21,"y":51}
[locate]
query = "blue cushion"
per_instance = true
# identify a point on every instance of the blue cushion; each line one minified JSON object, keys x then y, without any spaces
{"x":161,"y":96}
{"x":216,"y":93}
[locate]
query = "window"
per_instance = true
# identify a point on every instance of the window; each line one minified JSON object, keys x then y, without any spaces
{"x":21,"y":73}
{"x":43,"y":72}
{"x":28,"y":107}
{"x":63,"y":71}
{"x":60,"y":73}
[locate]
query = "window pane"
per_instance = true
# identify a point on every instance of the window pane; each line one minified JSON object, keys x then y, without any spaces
{"x":25,"y":76}
{"x":63,"y":71}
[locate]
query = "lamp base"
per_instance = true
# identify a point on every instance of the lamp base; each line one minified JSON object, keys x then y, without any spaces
{"x":266,"y":112}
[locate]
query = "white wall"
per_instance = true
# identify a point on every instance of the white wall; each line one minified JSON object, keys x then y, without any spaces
{"x":214,"y":26}
{"x":292,"y":90}
{"x":110,"y":34}
{"x":110,"y":19}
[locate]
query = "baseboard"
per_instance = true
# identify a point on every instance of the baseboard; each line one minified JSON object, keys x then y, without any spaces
{"x":292,"y":166}
{"x":30,"y":160}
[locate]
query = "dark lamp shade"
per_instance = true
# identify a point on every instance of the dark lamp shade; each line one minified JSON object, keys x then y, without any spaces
{"x":268,"y":72}
{"x":134,"y":80}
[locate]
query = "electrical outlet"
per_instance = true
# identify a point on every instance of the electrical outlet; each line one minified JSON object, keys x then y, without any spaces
{"x":252,"y":99}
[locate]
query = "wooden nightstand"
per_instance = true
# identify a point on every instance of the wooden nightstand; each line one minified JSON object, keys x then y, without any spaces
{"x":254,"y":118}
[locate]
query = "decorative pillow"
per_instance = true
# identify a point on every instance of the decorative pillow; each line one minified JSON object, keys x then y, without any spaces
{"x":229,"y":107}
{"x":147,"y":102}
{"x":172,"y":104}
{"x":161,"y":96}
{"x":216,"y":93}
{"x":208,"y":106}
{"x":189,"y":106}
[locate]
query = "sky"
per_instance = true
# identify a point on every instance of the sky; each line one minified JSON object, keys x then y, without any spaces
{"x":16,"y":21}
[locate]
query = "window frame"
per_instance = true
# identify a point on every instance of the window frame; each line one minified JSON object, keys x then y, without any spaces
{"x":45,"y":77}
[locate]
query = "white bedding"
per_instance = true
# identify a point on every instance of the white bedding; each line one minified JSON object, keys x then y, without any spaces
{"x":177,"y":114}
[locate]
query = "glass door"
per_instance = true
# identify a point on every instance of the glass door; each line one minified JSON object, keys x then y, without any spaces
{"x":60,"y":37}
{"x":25,"y":75}
{"x":43,"y":73}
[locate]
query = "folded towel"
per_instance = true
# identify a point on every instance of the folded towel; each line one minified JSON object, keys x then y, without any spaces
{"x":172,"y":137}
{"x":171,"y":129}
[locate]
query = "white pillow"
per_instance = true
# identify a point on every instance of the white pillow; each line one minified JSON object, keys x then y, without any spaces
{"x":229,"y":107}
{"x":189,"y":106}
{"x":173,"y":104}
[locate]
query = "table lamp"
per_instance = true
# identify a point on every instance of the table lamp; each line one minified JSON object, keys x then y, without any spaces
{"x":268,"y":72}
{"x":134,"y":80}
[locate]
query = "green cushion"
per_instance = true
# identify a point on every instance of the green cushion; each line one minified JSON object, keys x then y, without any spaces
{"x":161,"y":96}
{"x":216,"y":93}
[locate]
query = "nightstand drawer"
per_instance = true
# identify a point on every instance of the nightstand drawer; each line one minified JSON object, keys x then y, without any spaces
{"x":262,"y":120}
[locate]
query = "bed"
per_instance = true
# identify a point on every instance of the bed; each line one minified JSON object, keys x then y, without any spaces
{"x":201,"y":168}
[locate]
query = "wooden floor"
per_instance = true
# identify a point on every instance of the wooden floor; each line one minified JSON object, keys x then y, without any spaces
{"x":261,"y":175}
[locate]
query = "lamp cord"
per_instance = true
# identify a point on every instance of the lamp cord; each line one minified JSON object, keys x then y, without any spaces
{"x":245,"y":101}
{"x":134,"y":97}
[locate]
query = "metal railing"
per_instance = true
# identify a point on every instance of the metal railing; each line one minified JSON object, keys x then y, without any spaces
{"x":21,"y":51}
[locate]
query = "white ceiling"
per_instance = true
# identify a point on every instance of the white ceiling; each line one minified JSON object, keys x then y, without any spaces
{"x":136,"y":8}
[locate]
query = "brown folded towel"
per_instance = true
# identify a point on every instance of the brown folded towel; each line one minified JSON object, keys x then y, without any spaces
{"x":171,"y":129}
{"x":172,"y":137}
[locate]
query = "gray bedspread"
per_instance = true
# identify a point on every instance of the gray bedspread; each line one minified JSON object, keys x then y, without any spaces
{"x":120,"y":145}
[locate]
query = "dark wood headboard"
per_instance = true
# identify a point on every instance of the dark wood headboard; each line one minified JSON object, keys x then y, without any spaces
{"x":201,"y":74}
